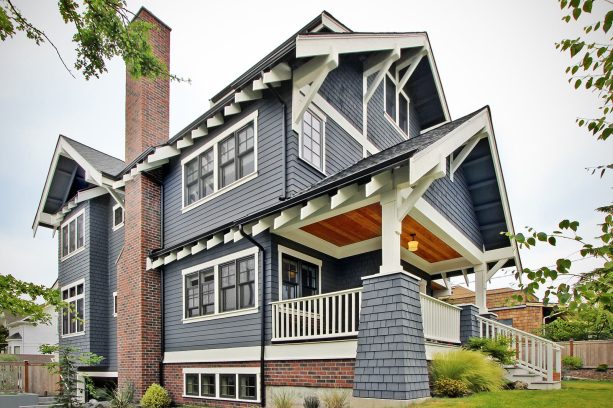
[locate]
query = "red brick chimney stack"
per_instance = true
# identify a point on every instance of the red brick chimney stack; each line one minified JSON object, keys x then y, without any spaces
{"x":138,"y":290}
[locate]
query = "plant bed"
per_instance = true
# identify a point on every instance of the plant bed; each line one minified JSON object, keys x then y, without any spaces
{"x":17,"y":400}
{"x":590,"y":373}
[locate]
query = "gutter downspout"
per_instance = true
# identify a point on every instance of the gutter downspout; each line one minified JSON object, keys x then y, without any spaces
{"x":283,"y":197}
{"x":262,"y":315}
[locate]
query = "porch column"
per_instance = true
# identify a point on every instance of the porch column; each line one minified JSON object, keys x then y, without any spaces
{"x":390,"y":361}
{"x":391,"y":227}
{"x":481,"y":287}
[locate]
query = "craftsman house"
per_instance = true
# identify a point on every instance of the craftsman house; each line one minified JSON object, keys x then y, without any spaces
{"x":290,"y":235}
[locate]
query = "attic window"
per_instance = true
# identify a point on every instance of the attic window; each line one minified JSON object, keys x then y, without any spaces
{"x":396,"y":103}
{"x":312,"y":139}
{"x":117,"y":217}
{"x":73,"y":236}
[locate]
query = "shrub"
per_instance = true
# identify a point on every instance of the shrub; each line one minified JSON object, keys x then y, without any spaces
{"x":123,"y":397}
{"x":572,"y":362}
{"x":155,"y":397}
{"x":473,"y":367}
{"x":602,"y":368}
{"x":282,"y":399}
{"x":8,"y":357}
{"x":311,"y":402}
{"x":499,"y":349}
{"x":336,"y":399}
{"x":446,"y":387}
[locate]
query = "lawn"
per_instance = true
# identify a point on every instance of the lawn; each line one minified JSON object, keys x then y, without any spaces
{"x":573,"y":394}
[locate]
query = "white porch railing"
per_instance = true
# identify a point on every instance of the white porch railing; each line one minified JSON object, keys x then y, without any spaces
{"x":534,"y":354}
{"x":330,"y":315}
{"x":441,"y":320}
{"x":337,"y":314}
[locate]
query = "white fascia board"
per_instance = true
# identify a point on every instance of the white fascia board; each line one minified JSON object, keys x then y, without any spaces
{"x":425,"y":214}
{"x":423,"y":161}
{"x":314,"y":45}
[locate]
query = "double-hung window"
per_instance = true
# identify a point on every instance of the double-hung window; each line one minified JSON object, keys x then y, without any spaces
{"x":224,"y":285}
{"x":312,"y":140}
{"x":299,"y":278}
{"x":222,"y":162}
{"x":73,"y":235}
{"x":396,"y":102}
{"x":72,"y":316}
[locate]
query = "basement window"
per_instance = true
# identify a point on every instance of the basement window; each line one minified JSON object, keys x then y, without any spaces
{"x":222,"y":383}
{"x":225,"y":162}
{"x":72,"y":235}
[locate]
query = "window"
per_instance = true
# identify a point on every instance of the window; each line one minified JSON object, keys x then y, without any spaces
{"x":299,"y":274}
{"x":247,"y":386}
{"x":16,"y":349}
{"x":191,"y":384}
{"x":114,"y":304}
{"x":223,"y":285}
{"x":117,"y":217}
{"x":238,"y":383}
{"x":312,"y":140}
{"x":396,"y":102}
{"x":228,"y":158}
{"x":72,"y":316}
{"x":72,"y":235}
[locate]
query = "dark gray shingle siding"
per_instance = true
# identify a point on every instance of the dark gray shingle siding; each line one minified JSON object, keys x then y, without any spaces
{"x":116,"y":240}
{"x":380,"y":131}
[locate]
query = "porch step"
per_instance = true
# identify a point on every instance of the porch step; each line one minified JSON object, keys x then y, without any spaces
{"x":46,"y":400}
{"x":544,"y":385}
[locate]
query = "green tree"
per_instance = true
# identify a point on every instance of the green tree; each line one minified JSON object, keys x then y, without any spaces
{"x":4,"y":332}
{"x":103,"y":29}
{"x":585,"y":324}
{"x":70,"y":358}
{"x":21,"y":298}
{"x":591,"y":66}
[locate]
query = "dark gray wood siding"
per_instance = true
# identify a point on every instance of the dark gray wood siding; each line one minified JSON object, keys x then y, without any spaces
{"x":343,"y":89}
{"x":379,"y":130}
{"x":116,"y":240}
{"x":255,"y":195}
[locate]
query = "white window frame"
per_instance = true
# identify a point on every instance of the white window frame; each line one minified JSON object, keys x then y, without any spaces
{"x":114,"y":304}
{"x":123,"y":217}
{"x":315,"y":111}
{"x":214,"y":143}
{"x":65,"y":223}
{"x":70,"y":299}
{"x":283,"y":250}
{"x":396,"y":121}
{"x":217,"y":371}
{"x":215,"y":265}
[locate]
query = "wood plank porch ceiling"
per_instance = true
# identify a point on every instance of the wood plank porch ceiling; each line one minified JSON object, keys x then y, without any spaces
{"x":365,"y":223}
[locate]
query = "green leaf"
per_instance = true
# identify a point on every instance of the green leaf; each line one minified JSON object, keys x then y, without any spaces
{"x":576,"y":13}
{"x":577,"y":83}
{"x":552,"y":241}
{"x":587,"y":6}
{"x":541,"y":236}
{"x":608,"y":20}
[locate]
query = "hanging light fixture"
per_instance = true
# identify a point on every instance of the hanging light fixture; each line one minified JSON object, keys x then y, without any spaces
{"x":413,"y":244}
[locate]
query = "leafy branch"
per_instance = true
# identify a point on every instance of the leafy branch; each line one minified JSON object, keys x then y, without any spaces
{"x":27,"y":299}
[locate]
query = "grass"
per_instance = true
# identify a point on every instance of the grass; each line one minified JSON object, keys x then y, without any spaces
{"x":592,"y":394}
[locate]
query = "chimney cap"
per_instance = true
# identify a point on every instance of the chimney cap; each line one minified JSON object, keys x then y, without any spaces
{"x":146,"y":10}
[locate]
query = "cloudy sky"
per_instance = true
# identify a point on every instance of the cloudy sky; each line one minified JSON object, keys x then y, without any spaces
{"x":496,"y":53}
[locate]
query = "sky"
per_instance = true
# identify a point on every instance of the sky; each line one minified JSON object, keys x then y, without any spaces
{"x":496,"y":53}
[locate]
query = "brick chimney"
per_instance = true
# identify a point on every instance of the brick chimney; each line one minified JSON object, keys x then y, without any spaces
{"x":138,"y":290}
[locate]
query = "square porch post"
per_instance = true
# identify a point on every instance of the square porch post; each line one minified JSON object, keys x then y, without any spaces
{"x":481,"y":287}
{"x":391,"y":354}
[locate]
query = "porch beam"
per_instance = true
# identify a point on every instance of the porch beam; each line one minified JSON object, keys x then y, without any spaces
{"x":314,"y":206}
{"x":457,"y":161}
{"x":383,"y":67}
{"x":494,"y":255}
{"x":378,"y":182}
{"x":342,"y":195}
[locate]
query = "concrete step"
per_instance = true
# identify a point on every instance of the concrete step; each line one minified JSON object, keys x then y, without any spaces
{"x":544,"y":385}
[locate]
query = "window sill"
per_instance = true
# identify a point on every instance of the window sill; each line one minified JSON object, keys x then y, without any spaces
{"x":255,"y":401}
{"x":67,"y":336}
{"x":319,"y":171}
{"x":70,"y":255}
{"x":221,"y":315}
{"x":116,"y":227}
{"x":395,"y":125}
{"x":219,"y":192}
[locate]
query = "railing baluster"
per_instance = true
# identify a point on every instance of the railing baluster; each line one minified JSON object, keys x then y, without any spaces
{"x":333,"y":315}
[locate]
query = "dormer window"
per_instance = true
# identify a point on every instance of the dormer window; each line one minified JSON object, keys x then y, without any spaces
{"x":312,"y":139}
{"x":225,"y":162}
{"x":117,"y":217}
{"x":396,"y":104}
{"x":72,"y":235}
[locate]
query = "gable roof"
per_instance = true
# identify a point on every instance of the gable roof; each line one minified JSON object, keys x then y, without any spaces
{"x":105,"y":163}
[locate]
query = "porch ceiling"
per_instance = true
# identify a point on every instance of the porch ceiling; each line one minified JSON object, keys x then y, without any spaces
{"x":365,"y":223}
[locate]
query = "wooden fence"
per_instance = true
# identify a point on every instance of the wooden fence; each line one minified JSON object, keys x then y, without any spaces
{"x":26,"y":376}
{"x":592,"y":352}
